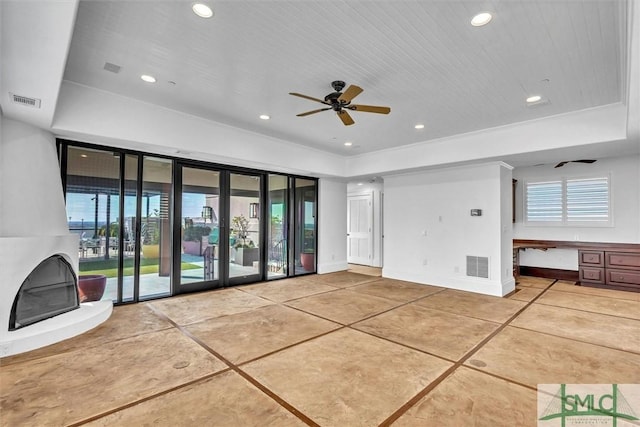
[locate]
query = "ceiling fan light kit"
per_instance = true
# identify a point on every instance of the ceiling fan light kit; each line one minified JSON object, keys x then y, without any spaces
{"x":340,"y":102}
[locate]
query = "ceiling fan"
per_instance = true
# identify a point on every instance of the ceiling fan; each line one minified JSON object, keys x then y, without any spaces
{"x":340,"y":102}
{"x":574,"y":161}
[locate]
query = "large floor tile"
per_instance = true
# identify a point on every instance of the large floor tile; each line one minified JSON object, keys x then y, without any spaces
{"x":470,"y":398}
{"x":342,"y":279}
{"x":609,"y":331}
{"x":603,"y":292}
{"x":534,"y":282}
{"x":343,"y":306}
{"x":437,"y":332}
{"x":69,"y":387}
{"x":534,"y":358}
{"x":245,"y":336}
{"x":224,"y":400}
{"x":285,"y":290}
{"x":202,"y":306}
{"x":525,"y":293}
{"x":347,"y":378}
{"x":470,"y":304}
{"x":125,"y":321}
{"x":396,"y":290}
{"x":593,"y":303}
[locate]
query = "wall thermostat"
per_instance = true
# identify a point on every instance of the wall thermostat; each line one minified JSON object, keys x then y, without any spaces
{"x":476,"y":212}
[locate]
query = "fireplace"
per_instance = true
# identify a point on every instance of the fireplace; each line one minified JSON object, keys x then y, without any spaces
{"x":49,"y":290}
{"x":38,"y":255}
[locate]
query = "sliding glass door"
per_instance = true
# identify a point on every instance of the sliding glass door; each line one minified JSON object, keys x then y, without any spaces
{"x":156,"y":226}
{"x":278,"y":226}
{"x":220,"y":231}
{"x":245,"y":238}
{"x":199,"y":250}
{"x":305,"y":225}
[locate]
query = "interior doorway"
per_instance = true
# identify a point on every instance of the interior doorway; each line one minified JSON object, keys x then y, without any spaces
{"x":360,"y":229}
{"x":364,"y":223}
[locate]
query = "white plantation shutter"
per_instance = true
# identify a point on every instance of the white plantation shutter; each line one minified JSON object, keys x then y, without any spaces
{"x":588,"y":199}
{"x":544,"y":201}
{"x":569,"y":201}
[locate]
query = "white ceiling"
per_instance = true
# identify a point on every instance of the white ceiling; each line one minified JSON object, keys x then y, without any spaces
{"x":421,"y":58}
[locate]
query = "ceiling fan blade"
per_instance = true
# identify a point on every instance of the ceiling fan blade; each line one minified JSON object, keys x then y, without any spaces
{"x":345,"y":117}
{"x":351,"y":92}
{"x":584,"y":161}
{"x":309,"y":98}
{"x":370,"y":109}
{"x":313,"y":112}
{"x":560,"y":164}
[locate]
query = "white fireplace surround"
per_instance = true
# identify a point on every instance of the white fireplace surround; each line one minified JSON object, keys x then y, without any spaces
{"x":33,"y":228}
{"x":19,"y":256}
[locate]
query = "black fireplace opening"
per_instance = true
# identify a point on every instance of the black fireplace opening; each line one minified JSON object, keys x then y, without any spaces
{"x":48,"y":291}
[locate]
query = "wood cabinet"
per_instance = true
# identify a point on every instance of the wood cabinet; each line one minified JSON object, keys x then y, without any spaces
{"x":612,"y":269}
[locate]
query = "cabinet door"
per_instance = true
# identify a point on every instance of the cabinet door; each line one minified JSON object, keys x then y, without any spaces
{"x":623,"y":277}
{"x":623,"y":260}
{"x":592,"y":275}
{"x":591,"y":258}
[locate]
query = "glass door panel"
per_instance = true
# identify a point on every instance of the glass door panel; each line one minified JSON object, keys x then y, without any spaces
{"x":305,"y":227}
{"x":155,"y":260}
{"x":200,"y":233}
{"x":245,"y":231}
{"x":129,"y":226}
{"x":92,"y":200}
{"x":277,"y":226}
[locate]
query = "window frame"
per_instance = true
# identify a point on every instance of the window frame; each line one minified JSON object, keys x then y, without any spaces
{"x":564,"y":221}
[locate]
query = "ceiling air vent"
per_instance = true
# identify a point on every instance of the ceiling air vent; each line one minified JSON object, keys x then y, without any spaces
{"x":112,"y":67}
{"x":25,"y":100}
{"x":478,"y":266}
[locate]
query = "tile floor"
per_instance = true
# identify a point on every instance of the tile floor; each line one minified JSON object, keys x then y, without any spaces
{"x":343,"y":349}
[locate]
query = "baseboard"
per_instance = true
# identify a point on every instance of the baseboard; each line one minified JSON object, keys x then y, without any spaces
{"x":332,"y":267}
{"x":549,"y":273}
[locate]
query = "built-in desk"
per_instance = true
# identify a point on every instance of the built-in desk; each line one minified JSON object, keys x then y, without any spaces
{"x":517,"y":247}
{"x":600,"y":264}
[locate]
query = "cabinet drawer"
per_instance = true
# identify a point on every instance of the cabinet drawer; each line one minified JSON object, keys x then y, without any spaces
{"x":623,"y":260}
{"x":623,"y":277}
{"x":591,"y":258}
{"x":592,"y":274}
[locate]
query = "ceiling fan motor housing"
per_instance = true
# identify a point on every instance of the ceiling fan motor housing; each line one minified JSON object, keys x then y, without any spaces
{"x":338,"y":85}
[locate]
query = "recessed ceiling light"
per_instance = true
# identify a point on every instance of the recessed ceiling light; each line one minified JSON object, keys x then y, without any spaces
{"x":534,"y":98}
{"x":481,"y":19}
{"x":202,"y":10}
{"x":83,"y":156}
{"x":348,"y":144}
{"x":360,"y":183}
{"x":419,"y":126}
{"x":264,"y":117}
{"x":147,"y":78}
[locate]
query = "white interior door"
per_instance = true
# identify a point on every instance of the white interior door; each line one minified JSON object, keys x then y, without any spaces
{"x":359,"y":229}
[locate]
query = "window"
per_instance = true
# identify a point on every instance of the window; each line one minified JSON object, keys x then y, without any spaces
{"x":565,"y":201}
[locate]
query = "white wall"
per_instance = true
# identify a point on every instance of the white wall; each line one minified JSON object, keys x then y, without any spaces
{"x":586,"y":128}
{"x":31,"y":197}
{"x":428,"y":229}
{"x":332,"y":226}
{"x":375,"y":188}
{"x":625,"y":203}
{"x":95,"y":116}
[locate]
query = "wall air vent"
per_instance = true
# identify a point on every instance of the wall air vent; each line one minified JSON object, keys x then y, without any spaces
{"x":25,"y":100}
{"x":478,"y":266}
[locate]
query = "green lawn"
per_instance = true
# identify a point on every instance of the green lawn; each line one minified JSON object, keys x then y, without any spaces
{"x":109,"y":267}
